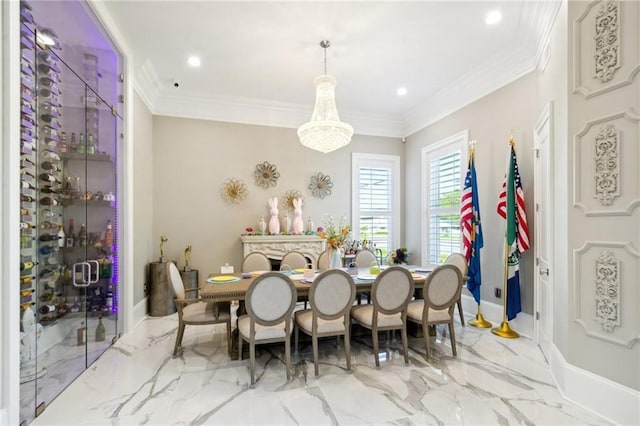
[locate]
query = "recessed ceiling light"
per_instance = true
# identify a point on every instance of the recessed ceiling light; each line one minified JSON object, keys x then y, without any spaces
{"x":194,"y":61}
{"x":402,"y":91}
{"x":493,"y":17}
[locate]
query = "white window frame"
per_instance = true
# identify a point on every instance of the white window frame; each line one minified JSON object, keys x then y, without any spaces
{"x":384,"y":161}
{"x":457,"y":142}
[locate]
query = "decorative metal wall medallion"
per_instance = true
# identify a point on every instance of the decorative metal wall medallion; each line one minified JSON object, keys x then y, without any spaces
{"x":320,"y":185}
{"x":266,"y":175}
{"x":289,"y":196}
{"x":607,"y":296}
{"x":233,"y":191}
{"x":607,"y":165}
{"x":607,"y":42}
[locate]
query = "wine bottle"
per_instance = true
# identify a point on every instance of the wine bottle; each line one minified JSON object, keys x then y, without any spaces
{"x":109,"y":298}
{"x":48,"y":250}
{"x":100,"y":331}
{"x":46,"y":309}
{"x":108,"y":235}
{"x":49,"y":201}
{"x":71,"y":235}
{"x":82,"y":236}
{"x":63,"y":147}
{"x":48,"y":190}
{"x":61,"y":237}
{"x":25,"y":266}
{"x":26,"y":198}
{"x":48,"y":165}
{"x":50,"y":155}
{"x":48,"y":237}
{"x":48,"y":177}
{"x":82,"y":147}
{"x":91,"y":147}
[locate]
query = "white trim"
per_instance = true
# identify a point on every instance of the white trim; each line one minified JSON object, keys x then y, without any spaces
{"x":492,"y":312}
{"x":461,"y":138}
{"x":616,"y":403}
{"x":139,"y":313}
{"x":10,"y":215}
{"x":384,"y":160}
{"x":544,"y":123}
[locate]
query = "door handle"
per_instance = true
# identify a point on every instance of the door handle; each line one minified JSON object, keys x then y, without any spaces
{"x":95,"y":274}
{"x":80,"y":275}
{"x":544,"y":271}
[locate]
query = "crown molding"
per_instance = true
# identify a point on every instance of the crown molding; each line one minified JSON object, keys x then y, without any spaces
{"x":528,"y":49}
{"x":147,"y":84}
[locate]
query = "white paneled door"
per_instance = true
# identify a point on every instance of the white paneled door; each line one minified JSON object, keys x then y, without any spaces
{"x":542,"y":139}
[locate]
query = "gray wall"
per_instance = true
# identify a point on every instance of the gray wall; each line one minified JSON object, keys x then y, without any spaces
{"x":193,"y":158}
{"x":142,"y":195}
{"x":489,"y":121}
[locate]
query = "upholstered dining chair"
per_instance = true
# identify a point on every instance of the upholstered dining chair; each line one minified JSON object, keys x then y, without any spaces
{"x":364,"y":259}
{"x":269,"y":302}
{"x":323,"y":261}
{"x":460,"y":262}
{"x":295,"y":260}
{"x":390,"y":293}
{"x":331,"y":296}
{"x":195,"y":311}
{"x":255,"y":261}
{"x":441,"y":291}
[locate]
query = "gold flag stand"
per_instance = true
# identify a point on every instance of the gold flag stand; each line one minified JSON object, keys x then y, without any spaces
{"x":479,"y":320}
{"x":504,"y":330}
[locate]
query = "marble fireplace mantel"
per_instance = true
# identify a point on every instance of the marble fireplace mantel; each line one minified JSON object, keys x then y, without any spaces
{"x":275,"y":246}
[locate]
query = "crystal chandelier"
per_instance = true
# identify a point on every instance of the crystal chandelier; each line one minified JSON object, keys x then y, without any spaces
{"x":325,"y":132}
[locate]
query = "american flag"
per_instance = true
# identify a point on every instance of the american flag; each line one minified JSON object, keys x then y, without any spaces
{"x":512,"y":205}
{"x":469,"y":209}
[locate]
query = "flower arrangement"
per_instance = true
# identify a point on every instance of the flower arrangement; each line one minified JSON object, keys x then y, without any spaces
{"x":399,"y":256}
{"x":336,"y":235}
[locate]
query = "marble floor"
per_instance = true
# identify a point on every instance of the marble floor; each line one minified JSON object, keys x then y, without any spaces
{"x":492,"y":381}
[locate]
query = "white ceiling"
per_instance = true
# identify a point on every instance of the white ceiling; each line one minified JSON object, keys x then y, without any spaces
{"x":259,"y":59}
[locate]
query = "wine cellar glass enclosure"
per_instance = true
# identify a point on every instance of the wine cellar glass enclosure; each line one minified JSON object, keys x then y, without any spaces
{"x":70,"y":143}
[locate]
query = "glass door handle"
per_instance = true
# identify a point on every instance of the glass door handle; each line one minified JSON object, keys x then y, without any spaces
{"x":95,"y":274}
{"x":81,"y":271}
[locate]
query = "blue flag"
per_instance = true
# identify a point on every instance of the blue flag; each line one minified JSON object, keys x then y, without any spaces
{"x":472,"y":239}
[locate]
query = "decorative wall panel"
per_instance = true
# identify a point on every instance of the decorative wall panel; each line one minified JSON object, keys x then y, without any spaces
{"x":606,"y":293}
{"x":606,"y":173}
{"x":606,"y":54}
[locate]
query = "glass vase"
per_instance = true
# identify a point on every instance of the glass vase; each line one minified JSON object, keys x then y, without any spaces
{"x":335,"y":259}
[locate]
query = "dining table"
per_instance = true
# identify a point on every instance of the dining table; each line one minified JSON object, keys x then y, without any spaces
{"x":233,"y":287}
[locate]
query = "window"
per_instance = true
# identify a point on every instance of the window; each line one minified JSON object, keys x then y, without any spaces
{"x":376,"y":200}
{"x":442,"y":176}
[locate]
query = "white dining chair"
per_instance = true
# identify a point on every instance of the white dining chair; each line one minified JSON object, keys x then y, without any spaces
{"x":195,"y":311}
{"x":270,"y":300}
{"x":323,"y":261}
{"x":460,"y":262}
{"x":331,"y":296}
{"x":390,"y":294}
{"x":255,"y":261}
{"x":294,"y":259}
{"x":441,"y":291}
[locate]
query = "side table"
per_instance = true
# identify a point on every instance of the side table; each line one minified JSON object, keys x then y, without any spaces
{"x":161,"y":294}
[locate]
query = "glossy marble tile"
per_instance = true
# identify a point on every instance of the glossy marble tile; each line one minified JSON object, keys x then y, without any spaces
{"x":491,"y":381}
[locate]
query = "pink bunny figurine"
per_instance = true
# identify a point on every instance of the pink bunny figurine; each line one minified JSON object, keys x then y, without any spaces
{"x":298,"y":224}
{"x":274,"y":223}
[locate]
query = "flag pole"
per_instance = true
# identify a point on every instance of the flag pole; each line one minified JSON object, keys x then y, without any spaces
{"x":504,"y":330}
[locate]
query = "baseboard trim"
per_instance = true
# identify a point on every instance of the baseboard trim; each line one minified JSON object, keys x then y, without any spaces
{"x":492,"y":312}
{"x":139,"y":312}
{"x":599,"y":395}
